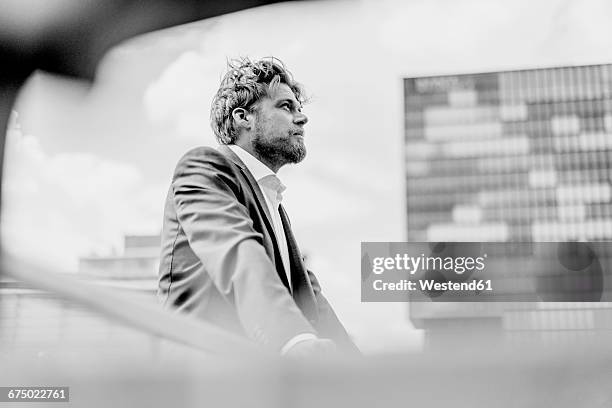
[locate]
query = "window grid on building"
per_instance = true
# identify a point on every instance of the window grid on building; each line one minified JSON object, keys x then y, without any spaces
{"x":512,"y":156}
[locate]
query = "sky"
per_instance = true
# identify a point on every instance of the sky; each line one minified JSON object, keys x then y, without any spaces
{"x":86,"y":165}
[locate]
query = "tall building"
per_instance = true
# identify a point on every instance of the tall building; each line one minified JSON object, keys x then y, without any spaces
{"x":520,"y":156}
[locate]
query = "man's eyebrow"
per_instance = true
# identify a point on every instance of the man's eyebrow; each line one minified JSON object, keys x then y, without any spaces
{"x":293,"y":102}
{"x":283,"y":100}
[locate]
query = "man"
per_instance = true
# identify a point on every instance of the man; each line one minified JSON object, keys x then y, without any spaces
{"x":228,"y":253}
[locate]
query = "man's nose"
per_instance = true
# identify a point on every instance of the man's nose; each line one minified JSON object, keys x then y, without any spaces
{"x":300,"y":119}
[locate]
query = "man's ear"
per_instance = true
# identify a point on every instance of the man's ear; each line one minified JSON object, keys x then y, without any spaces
{"x":243,"y":119}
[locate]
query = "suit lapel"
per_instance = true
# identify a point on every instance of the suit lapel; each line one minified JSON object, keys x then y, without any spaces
{"x":261,"y":201}
{"x":303,"y":294}
{"x":263,"y":208}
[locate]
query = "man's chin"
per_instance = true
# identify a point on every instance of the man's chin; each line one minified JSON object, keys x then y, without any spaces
{"x":298,"y":152}
{"x":294,"y":151}
{"x":291,"y":151}
{"x":295,"y":157}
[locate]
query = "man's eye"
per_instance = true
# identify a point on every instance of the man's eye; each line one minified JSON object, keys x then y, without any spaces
{"x":286,"y":107}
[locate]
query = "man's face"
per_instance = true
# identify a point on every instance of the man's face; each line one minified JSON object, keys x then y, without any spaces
{"x":279,"y":128}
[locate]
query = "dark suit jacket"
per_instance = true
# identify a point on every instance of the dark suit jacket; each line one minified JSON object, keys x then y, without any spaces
{"x":220,"y":259}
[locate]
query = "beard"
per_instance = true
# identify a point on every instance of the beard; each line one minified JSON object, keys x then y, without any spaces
{"x":279,"y":150}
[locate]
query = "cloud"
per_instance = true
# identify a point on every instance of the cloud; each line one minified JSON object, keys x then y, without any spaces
{"x":181,"y":97}
{"x":58,"y":207}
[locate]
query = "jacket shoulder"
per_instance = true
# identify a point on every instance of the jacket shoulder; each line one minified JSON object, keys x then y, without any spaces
{"x":207,"y":166}
{"x":205,"y":159}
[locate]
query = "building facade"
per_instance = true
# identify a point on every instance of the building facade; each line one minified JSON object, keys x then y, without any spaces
{"x":38,"y":323}
{"x":513,"y":156}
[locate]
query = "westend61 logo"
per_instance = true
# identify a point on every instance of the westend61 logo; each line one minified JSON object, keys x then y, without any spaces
{"x":422,"y":263}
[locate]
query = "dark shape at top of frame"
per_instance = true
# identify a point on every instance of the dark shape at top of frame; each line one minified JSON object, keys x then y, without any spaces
{"x":72,"y":41}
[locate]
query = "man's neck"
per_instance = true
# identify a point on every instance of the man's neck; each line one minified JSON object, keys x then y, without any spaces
{"x":248,"y":147}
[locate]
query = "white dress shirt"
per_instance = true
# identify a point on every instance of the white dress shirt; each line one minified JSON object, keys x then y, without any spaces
{"x":272,"y":188}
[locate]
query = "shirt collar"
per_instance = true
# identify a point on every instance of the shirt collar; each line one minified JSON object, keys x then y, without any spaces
{"x":257,"y":168}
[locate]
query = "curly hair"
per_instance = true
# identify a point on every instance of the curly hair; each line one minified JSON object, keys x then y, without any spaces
{"x":245,"y":83}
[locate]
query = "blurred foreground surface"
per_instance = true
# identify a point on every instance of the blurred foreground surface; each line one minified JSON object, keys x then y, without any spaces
{"x":111,"y":353}
{"x":477,"y":376}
